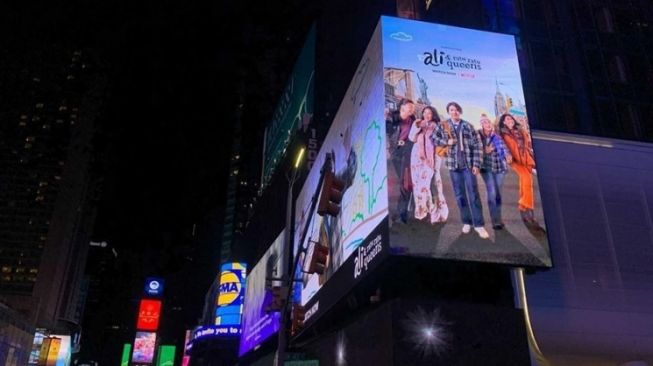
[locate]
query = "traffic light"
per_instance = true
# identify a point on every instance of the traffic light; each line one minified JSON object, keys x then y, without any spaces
{"x":509,"y":103}
{"x":298,"y":316}
{"x":331,"y":195}
{"x":279,"y":298}
{"x":316,"y":258}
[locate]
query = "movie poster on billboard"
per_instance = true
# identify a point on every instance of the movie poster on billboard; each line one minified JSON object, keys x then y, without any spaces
{"x":462,"y":176}
{"x":355,"y":145}
{"x":258,"y":323}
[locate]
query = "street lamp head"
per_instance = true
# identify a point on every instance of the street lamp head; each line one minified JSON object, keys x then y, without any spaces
{"x":300,"y":155}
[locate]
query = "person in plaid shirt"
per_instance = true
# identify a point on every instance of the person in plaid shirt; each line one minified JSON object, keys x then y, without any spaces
{"x":496,"y":158}
{"x":463,"y":160}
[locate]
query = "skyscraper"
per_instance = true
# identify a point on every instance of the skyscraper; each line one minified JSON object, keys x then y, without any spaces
{"x":584,"y":63}
{"x":51,"y":100}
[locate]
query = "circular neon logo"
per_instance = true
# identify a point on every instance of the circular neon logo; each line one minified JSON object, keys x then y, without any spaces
{"x":230,"y":287}
{"x":154,"y":285}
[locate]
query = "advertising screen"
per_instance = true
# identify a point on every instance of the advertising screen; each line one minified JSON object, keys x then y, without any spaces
{"x":185,"y":360}
{"x":293,"y":113}
{"x":356,"y":147}
{"x":166,"y":356}
{"x":258,"y":324}
{"x":126,"y":352}
{"x":431,"y":144}
{"x":462,"y":175}
{"x":144,"y":345}
{"x":55,"y":350}
{"x":229,"y":304}
{"x":149,"y":313}
{"x":154,"y":286}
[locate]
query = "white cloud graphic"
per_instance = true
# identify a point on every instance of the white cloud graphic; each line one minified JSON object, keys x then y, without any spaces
{"x":401,"y":36}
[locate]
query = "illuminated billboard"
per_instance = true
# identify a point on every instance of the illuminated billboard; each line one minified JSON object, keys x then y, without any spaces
{"x":461,"y":168}
{"x":166,"y":356}
{"x":229,"y":304}
{"x":410,"y":166}
{"x":54,"y":350}
{"x":294,"y":112}
{"x":126,"y":352}
{"x":149,"y":313}
{"x":144,"y":345}
{"x":154,"y":286}
{"x":357,"y":237}
{"x":258,"y":323}
{"x":185,"y":360}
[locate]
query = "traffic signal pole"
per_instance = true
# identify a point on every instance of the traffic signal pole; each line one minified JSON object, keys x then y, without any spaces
{"x":288,"y":276}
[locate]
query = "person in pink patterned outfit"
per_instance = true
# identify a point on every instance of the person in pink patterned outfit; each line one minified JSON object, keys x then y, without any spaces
{"x":424,"y":165}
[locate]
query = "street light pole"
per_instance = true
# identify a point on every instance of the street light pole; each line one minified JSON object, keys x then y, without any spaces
{"x":288,"y":262}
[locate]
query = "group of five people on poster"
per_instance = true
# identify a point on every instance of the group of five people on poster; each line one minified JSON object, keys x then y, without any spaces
{"x":420,"y":146}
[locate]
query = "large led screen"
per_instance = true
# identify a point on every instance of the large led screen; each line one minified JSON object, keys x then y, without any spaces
{"x":144,"y":345}
{"x":356,"y":145}
{"x":126,"y":351}
{"x":166,"y":355}
{"x":149,"y":312}
{"x":259,"y":324}
{"x":55,"y":350}
{"x":462,"y":175}
{"x":229,"y":304}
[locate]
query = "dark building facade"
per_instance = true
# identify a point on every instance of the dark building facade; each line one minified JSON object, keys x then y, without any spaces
{"x":584,"y":63}
{"x":47,"y":209}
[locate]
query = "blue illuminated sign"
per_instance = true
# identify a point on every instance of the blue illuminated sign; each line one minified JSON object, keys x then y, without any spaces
{"x":154,"y":286}
{"x":229,"y":304}
{"x":210,"y":331}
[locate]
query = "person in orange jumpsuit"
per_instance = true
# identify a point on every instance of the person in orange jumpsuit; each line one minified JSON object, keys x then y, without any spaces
{"x":518,"y":141}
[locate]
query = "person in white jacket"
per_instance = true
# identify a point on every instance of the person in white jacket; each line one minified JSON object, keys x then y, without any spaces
{"x":424,"y":166}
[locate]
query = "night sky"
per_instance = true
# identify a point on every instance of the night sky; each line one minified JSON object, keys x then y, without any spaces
{"x":176,"y":71}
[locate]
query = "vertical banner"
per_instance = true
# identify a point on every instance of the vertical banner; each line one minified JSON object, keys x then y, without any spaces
{"x":144,"y":346}
{"x":126,"y":352}
{"x":229,"y":303}
{"x":260,"y":324}
{"x":166,"y":356}
{"x":149,"y":312}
